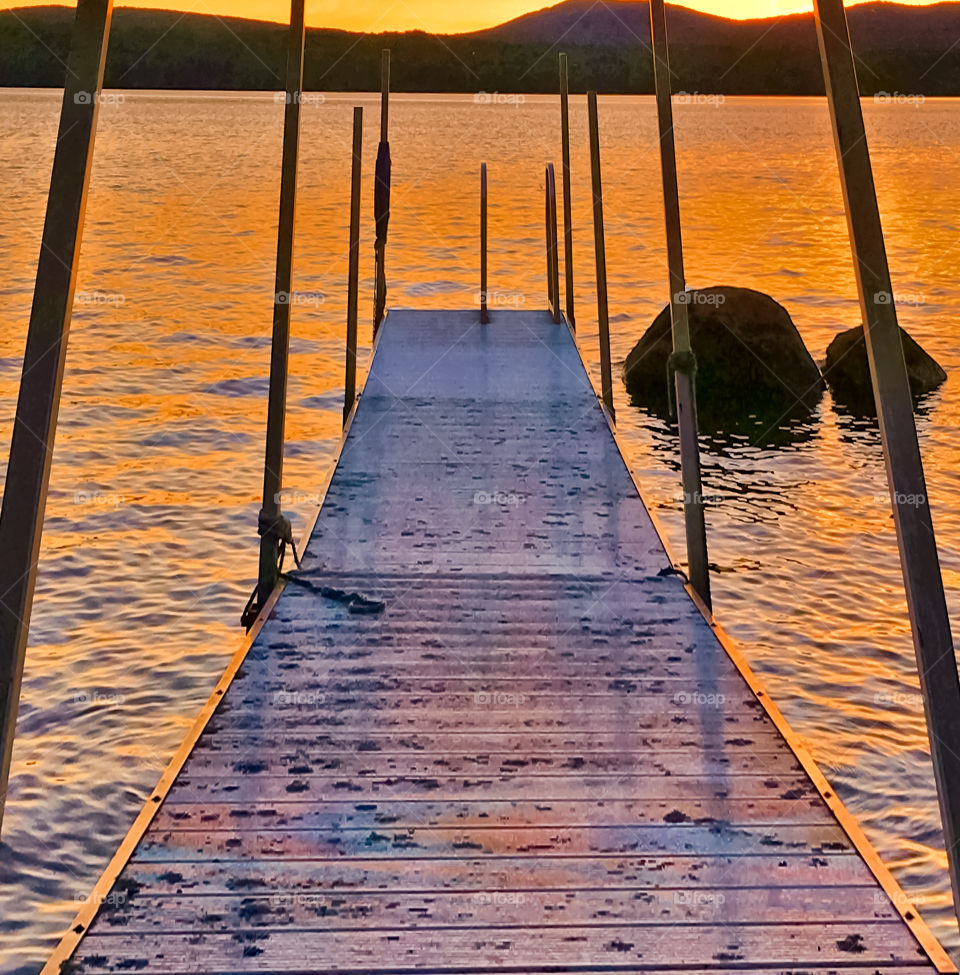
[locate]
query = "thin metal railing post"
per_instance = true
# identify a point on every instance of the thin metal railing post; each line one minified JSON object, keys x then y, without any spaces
{"x":272,"y":526}
{"x":919,"y":561}
{"x":484,"y":314}
{"x":38,"y":405}
{"x":600,"y":247}
{"x":682,"y":361}
{"x":353,"y":283}
{"x":385,"y":94}
{"x":553,"y":246}
{"x":381,"y":201}
{"x":546,"y":235}
{"x":567,"y":202}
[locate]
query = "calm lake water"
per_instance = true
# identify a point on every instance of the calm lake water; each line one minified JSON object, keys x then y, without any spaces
{"x":150,"y":546}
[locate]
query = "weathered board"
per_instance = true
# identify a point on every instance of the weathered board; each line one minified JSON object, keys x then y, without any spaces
{"x":538,"y":757}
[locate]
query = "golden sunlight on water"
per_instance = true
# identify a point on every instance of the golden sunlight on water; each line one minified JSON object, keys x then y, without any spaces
{"x":150,"y":544}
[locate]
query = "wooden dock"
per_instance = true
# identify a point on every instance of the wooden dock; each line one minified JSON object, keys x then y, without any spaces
{"x":542,"y":755}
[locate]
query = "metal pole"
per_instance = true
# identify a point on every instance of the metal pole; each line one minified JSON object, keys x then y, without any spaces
{"x":567,"y":202}
{"x":546,"y":225}
{"x":484,"y":314}
{"x":682,"y":361}
{"x":385,"y":94}
{"x":273,"y":527}
{"x":35,"y":425}
{"x":919,"y":561}
{"x":553,"y":248}
{"x":606,"y":372}
{"x":353,"y":285}
{"x":381,"y":202}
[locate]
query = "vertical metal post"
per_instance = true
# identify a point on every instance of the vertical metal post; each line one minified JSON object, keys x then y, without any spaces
{"x":603,"y":317}
{"x":546,"y":236}
{"x":682,"y":361}
{"x":385,"y":94}
{"x":484,"y":314}
{"x":353,"y":284}
{"x":553,"y":268}
{"x":272,"y":526}
{"x":35,"y":424}
{"x":919,"y":561}
{"x":567,"y":202}
{"x":381,"y":197}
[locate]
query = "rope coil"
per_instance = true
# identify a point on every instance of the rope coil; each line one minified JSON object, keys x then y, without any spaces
{"x":278,"y":528}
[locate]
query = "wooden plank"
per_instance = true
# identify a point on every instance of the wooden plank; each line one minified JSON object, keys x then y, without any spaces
{"x":320,"y":762}
{"x":570,"y":948}
{"x":776,"y":870}
{"x":709,"y":839}
{"x":762,"y":741}
{"x":340,"y":814}
{"x":367,"y":911}
{"x":261,"y":788}
{"x":717,"y":730}
{"x":715,"y":721}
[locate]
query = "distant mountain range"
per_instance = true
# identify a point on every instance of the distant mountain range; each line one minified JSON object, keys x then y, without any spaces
{"x":900,"y":50}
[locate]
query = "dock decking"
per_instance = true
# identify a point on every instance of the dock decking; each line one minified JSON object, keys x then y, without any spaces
{"x":541,"y":756}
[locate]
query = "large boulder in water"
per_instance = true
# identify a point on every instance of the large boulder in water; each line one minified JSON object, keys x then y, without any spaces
{"x":848,"y":373}
{"x":751,"y":361}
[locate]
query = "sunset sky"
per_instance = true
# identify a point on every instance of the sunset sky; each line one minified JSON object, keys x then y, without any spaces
{"x":430,"y":15}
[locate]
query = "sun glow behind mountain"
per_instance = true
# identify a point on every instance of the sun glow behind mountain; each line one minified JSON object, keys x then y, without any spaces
{"x":433,"y":16}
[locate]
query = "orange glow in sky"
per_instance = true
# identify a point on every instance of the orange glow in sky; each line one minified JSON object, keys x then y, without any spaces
{"x":435,"y":16}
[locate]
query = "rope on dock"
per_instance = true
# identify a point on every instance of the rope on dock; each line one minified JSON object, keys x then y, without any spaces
{"x":355,"y":603}
{"x":278,"y":528}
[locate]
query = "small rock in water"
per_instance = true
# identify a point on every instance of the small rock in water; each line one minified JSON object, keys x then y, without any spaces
{"x":751,"y":361}
{"x":847,"y":371}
